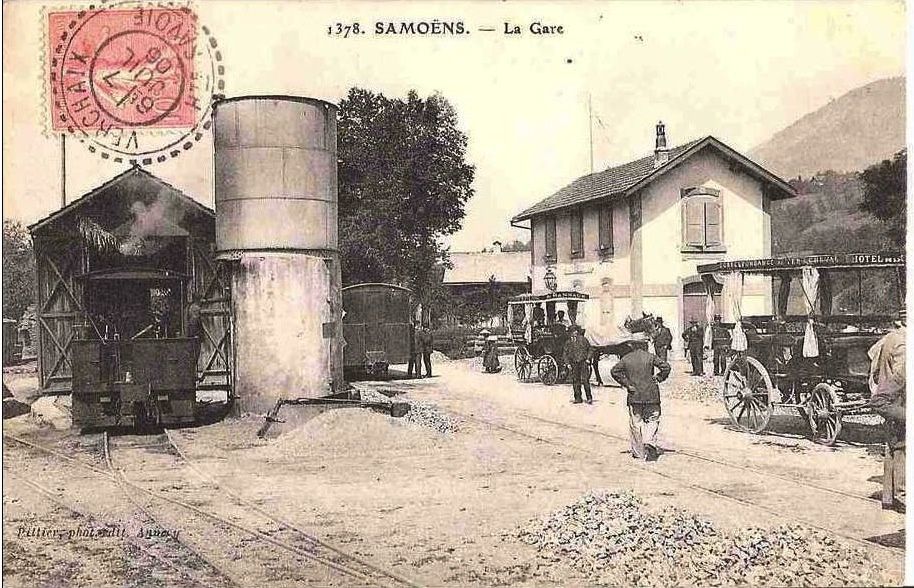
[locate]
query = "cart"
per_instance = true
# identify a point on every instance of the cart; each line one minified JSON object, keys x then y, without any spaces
{"x":810,"y":356}
{"x":540,"y":338}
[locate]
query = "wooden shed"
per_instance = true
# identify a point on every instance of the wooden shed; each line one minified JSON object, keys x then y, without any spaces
{"x":133,"y":248}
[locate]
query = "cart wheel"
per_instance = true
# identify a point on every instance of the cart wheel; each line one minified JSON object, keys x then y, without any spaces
{"x":548,"y":370}
{"x":747,"y":394}
{"x":824,"y":419}
{"x":523,"y":363}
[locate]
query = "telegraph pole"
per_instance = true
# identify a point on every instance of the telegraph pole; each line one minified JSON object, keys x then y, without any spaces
{"x":63,"y":169}
{"x":590,"y":128}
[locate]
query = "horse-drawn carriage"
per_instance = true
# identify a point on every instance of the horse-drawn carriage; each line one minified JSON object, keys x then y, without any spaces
{"x":540,"y":334}
{"x":811,"y":355}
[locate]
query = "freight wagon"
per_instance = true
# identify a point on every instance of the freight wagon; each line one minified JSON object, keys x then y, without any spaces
{"x":376,"y":326}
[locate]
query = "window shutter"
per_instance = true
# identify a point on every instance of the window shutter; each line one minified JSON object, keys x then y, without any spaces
{"x":606,"y":228}
{"x":693,"y":223}
{"x":713,"y":224}
{"x":550,"y":237}
{"x":577,"y":233}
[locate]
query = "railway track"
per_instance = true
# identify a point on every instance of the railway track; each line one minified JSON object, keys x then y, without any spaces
{"x":175,"y":562}
{"x":704,"y":458}
{"x":282,"y":548}
{"x":689,"y":483}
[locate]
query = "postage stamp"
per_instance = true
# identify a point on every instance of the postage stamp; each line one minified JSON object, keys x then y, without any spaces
{"x":134,"y":82}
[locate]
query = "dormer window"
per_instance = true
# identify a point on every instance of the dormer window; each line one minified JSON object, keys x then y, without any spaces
{"x":702,"y":220}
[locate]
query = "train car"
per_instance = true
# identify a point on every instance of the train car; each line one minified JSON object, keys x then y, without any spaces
{"x":376,"y":326}
{"x":134,"y":308}
{"x":138,"y":383}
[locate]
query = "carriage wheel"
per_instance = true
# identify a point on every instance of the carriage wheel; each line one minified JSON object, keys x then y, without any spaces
{"x":523,"y":363}
{"x":747,"y":394}
{"x":548,"y":370}
{"x":824,"y":419}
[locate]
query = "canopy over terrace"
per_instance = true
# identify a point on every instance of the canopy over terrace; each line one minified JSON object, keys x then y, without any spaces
{"x":847,"y":290}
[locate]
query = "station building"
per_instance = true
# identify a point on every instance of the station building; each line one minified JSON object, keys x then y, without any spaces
{"x":632,"y":236}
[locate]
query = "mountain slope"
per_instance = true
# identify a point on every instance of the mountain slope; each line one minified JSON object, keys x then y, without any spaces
{"x":860,"y":128}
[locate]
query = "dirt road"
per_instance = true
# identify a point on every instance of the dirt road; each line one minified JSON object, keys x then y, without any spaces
{"x":437,"y":499}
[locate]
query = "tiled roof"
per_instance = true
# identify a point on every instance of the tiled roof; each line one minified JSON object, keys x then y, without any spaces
{"x":477,"y":268}
{"x":617,"y":181}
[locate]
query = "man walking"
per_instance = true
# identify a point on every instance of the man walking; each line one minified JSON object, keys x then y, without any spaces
{"x":635,"y":372}
{"x":424,"y":342}
{"x":720,"y":345}
{"x":663,"y":340}
{"x":577,"y":355}
{"x":694,"y":340}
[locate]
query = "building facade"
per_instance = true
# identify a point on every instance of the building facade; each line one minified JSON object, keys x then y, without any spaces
{"x":632,"y":236}
{"x":479,"y":284}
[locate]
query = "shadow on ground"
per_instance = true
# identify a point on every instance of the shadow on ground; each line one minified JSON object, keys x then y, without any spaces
{"x":794,"y":427}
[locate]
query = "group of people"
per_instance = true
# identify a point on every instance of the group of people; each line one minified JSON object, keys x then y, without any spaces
{"x":638,"y":371}
{"x":420,"y":350}
{"x":694,"y":337}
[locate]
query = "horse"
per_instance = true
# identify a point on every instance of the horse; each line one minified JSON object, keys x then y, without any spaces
{"x":647,"y":323}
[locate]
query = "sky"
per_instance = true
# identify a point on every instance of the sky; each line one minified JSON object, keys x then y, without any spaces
{"x":740,"y":71}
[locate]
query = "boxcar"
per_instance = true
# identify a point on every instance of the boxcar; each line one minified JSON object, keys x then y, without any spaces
{"x":376,"y":326}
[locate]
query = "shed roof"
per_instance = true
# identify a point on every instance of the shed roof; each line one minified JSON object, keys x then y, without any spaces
{"x":512,"y":267}
{"x":622,"y":180}
{"x":130,"y":186}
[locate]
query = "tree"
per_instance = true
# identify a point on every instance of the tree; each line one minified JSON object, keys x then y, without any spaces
{"x":516,"y":245}
{"x":18,"y":270}
{"x":403,"y":185}
{"x":884,"y":192}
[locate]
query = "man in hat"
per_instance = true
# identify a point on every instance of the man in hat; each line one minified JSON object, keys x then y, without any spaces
{"x":424,"y":341}
{"x":413,"y":365}
{"x":694,"y":341}
{"x":887,"y":379}
{"x":663,"y":340}
{"x":720,"y":345}
{"x":636,"y":373}
{"x":577,"y":354}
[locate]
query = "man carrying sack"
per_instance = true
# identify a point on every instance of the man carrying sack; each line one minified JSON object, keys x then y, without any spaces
{"x":635,"y":372}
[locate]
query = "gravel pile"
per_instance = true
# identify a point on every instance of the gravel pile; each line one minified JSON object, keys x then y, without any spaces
{"x":421,"y":413}
{"x":614,"y":540}
{"x":428,"y":415}
{"x":706,"y":389}
{"x":347,"y":431}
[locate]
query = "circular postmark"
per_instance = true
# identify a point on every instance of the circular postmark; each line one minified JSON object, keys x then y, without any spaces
{"x":132,"y":81}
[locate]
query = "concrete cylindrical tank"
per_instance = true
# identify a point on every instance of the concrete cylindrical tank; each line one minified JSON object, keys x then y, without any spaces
{"x":276,"y":218}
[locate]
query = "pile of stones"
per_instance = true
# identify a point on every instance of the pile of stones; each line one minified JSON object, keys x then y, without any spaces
{"x":428,"y":415}
{"x":421,"y":413}
{"x":706,"y":389}
{"x":613,"y":540}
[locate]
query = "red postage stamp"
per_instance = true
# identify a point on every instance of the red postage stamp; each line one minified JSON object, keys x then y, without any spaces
{"x":122,"y":68}
{"x":130,"y":80}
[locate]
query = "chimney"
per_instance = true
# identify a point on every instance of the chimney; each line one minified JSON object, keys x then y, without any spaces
{"x":496,"y":247}
{"x":661,"y":152}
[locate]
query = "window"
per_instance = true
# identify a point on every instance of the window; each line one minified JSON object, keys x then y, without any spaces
{"x":702,"y":220}
{"x":577,"y":234}
{"x":606,"y":229}
{"x":550,"y":238}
